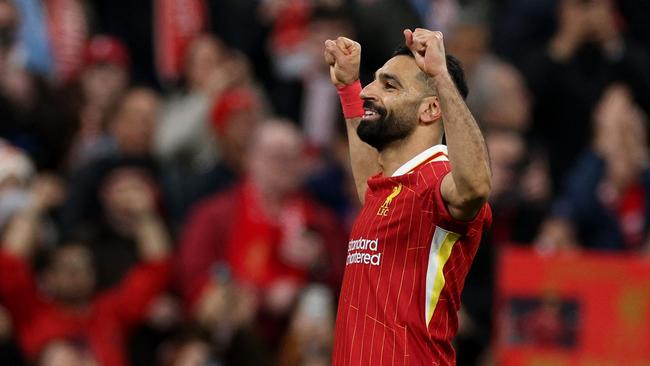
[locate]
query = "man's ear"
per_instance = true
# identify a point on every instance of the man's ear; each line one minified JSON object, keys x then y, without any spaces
{"x":429,"y":111}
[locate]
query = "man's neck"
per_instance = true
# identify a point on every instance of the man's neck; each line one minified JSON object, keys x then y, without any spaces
{"x":398,"y":154}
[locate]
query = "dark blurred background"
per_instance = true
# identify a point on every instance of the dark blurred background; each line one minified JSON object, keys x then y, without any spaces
{"x":174,"y":180}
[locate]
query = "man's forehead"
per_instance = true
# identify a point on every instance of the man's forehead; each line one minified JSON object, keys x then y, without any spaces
{"x":402,"y":66}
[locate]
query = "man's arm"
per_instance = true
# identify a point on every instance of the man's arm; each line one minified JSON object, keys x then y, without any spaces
{"x":18,"y":289}
{"x":148,"y":279}
{"x":344,"y":55}
{"x":466,"y":189}
{"x":153,"y":240}
{"x":20,"y":238}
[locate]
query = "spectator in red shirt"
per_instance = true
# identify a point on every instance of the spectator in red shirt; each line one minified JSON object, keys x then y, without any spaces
{"x":65,"y":309}
{"x":255,"y":247}
{"x":605,"y":204}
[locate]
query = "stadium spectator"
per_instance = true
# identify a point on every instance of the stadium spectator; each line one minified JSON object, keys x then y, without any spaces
{"x":102,"y":82}
{"x":183,"y":131}
{"x":16,"y":173}
{"x":469,"y":40}
{"x":264,"y":238}
{"x":64,"y":353}
{"x":126,"y":193}
{"x":499,"y":96}
{"x":311,"y":333}
{"x":568,"y":75}
{"x":605,"y":202}
{"x":231,"y":121}
{"x":134,"y":122}
{"x":130,"y":130}
{"x":320,"y":111}
{"x":91,"y":327}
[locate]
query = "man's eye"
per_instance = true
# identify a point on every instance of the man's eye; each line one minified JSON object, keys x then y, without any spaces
{"x":389,"y":86}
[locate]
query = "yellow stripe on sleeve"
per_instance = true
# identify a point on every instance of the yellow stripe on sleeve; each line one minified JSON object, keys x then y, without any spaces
{"x":441,"y":246}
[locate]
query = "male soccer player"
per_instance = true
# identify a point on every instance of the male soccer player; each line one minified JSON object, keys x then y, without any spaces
{"x":423,"y":212}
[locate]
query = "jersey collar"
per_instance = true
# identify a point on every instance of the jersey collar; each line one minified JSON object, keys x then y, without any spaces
{"x":434,"y":153}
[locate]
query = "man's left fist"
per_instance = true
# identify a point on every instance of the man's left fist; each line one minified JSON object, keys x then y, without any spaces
{"x":428,"y":49}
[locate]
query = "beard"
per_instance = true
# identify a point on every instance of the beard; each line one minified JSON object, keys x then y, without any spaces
{"x":386,"y":129}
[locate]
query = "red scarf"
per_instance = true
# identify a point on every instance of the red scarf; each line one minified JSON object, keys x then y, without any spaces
{"x":255,"y":241}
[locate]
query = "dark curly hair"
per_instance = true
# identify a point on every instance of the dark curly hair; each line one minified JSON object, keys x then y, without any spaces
{"x":454,"y":68}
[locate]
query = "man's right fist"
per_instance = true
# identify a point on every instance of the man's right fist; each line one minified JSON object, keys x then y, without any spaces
{"x":343,"y":55}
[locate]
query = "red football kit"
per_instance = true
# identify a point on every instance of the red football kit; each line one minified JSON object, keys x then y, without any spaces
{"x":405,"y":270}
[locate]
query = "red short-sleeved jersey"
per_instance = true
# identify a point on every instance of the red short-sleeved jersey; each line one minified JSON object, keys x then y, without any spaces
{"x":406,"y":266}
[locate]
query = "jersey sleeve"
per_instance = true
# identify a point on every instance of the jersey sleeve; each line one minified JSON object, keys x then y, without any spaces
{"x":440,"y":210}
{"x":202,"y":245}
{"x":142,"y":284}
{"x":18,"y":289}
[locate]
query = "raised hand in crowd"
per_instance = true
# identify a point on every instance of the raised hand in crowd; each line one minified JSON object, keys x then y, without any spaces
{"x":582,"y":21}
{"x":22,"y":232}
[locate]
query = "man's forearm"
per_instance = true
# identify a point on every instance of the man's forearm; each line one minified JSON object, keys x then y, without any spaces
{"x":363,"y":158}
{"x":467,"y":151}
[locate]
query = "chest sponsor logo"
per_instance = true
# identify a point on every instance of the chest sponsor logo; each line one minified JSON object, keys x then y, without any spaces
{"x":363,"y":251}
{"x":383,"y":209}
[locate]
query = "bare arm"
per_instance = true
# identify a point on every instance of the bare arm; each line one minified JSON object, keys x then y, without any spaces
{"x":466,"y":189}
{"x":151,"y":235}
{"x":21,"y":234}
{"x":363,"y":158}
{"x":344,"y":56}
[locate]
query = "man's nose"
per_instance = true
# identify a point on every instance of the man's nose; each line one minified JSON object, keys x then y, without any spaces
{"x":367,"y":93}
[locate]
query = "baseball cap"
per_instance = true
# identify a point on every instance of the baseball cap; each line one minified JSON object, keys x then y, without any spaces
{"x":104,"y":49}
{"x":230,"y":102}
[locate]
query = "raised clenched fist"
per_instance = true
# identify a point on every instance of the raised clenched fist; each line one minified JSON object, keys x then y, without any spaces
{"x":429,"y":50}
{"x":343,"y":55}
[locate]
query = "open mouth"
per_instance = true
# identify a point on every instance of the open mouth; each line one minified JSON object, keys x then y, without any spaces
{"x":371,"y":113}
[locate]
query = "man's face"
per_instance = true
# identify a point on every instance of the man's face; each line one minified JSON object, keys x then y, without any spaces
{"x":126,"y":193}
{"x":276,"y":159}
{"x":391,"y":103}
{"x":133,"y":127}
{"x":204,"y":56}
{"x":102,"y":84}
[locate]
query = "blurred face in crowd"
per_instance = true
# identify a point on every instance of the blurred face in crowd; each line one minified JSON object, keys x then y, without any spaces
{"x":126,"y":193}
{"x":591,"y":21}
{"x":320,"y":30}
{"x":204,"y":55}
{"x":70,"y":277}
{"x":193,"y":353}
{"x":237,"y":135}
{"x":276,"y":158}
{"x":620,"y":135}
{"x":102,"y":84}
{"x":469,"y":42}
{"x":392,"y":102}
{"x":507,"y":150}
{"x":62,"y":353}
{"x":506,"y":101}
{"x":134,"y":122}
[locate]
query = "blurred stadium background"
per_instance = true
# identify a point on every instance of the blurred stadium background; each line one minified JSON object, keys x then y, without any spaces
{"x":174,"y":185}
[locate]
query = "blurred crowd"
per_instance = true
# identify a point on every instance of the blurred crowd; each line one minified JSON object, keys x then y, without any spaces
{"x":174,"y":179}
